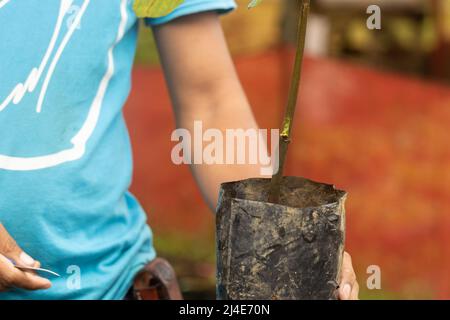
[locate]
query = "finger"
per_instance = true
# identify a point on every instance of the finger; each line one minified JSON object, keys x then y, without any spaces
{"x":347,"y":257}
{"x":345,"y":291}
{"x":13,"y":277}
{"x":29,"y":281}
{"x":5,"y":270}
{"x":355,"y":292}
{"x":10,"y":249}
{"x":348,"y":278}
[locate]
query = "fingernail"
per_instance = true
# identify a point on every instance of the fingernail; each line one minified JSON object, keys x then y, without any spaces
{"x":26,"y":259}
{"x":346,"y":290}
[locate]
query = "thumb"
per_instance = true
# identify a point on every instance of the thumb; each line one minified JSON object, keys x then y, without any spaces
{"x":10,"y":249}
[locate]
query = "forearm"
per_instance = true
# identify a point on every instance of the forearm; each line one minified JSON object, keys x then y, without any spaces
{"x":204,"y":87}
{"x":229,"y":111}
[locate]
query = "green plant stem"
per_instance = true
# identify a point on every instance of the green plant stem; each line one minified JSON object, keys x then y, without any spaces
{"x":285,"y":135}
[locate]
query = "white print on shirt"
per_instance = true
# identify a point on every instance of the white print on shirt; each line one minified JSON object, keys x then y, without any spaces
{"x":3,"y":3}
{"x":33,"y":79}
{"x":36,"y":76}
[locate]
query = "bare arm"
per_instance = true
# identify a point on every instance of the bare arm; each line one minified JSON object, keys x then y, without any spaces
{"x":204,"y":86}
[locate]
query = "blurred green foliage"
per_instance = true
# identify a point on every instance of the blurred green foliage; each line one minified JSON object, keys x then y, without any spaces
{"x":189,"y":247}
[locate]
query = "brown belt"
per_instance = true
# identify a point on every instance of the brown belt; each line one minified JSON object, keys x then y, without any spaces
{"x":157,"y":281}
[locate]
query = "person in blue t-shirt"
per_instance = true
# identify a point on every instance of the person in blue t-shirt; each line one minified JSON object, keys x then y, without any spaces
{"x":65,"y":156}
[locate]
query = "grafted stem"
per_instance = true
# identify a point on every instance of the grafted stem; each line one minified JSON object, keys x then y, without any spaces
{"x":285,"y":135}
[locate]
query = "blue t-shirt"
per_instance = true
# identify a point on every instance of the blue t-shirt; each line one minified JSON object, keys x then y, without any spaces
{"x":65,"y":156}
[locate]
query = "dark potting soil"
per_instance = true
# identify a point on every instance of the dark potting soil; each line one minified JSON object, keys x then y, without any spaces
{"x":295,"y":192}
